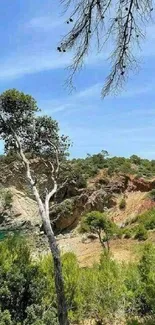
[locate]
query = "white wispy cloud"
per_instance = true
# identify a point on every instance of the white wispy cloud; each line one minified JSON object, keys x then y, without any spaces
{"x":90,"y":97}
{"x":45,"y":23}
{"x":90,"y":92}
{"x":137,"y":91}
{"x":19,"y":66}
{"x":76,"y":101}
{"x":34,"y":61}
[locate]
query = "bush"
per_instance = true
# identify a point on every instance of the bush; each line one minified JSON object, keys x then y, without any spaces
{"x":141,"y":233}
{"x":119,"y":233}
{"x":147,"y":219}
{"x":151,"y":194}
{"x":22,"y":282}
{"x":106,"y":291}
{"x":146,"y":270}
{"x":5,"y":318}
{"x":122,"y":204}
{"x":8,"y":199}
{"x":128,"y":233}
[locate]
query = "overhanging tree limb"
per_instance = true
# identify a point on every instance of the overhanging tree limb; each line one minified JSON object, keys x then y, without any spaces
{"x":122,"y":22}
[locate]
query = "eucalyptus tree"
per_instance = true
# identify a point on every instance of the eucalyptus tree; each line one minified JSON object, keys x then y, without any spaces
{"x":29,"y":134}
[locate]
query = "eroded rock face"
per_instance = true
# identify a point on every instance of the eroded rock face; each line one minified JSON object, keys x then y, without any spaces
{"x":68,"y":212}
{"x":121,"y":183}
{"x":143,"y":185}
{"x":99,"y":200}
{"x":71,"y":202}
{"x":22,"y":211}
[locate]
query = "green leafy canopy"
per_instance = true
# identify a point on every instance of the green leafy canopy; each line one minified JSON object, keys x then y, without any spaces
{"x":38,"y":135}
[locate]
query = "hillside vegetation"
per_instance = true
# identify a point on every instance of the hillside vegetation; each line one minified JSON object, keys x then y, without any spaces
{"x":107,"y":293}
{"x":124,"y":187}
{"x":115,"y":288}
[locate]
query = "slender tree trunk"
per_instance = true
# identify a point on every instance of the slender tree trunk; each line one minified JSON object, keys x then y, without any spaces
{"x":44,"y":214}
{"x":58,"y":277}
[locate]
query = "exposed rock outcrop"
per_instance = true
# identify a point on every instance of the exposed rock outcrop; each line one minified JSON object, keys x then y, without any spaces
{"x":71,"y":202}
{"x":67,"y":213}
{"x":22,"y":212}
{"x":141,"y":184}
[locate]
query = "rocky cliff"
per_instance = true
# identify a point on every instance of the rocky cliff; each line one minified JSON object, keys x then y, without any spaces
{"x":102,"y":193}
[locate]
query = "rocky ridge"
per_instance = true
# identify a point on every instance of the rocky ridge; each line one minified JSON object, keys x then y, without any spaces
{"x":101,"y":194}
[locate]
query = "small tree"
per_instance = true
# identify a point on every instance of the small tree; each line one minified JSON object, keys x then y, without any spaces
{"x":25,"y":133}
{"x":141,"y":233}
{"x":122,"y":204}
{"x":99,"y":223}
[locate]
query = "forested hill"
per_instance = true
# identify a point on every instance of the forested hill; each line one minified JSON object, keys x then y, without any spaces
{"x":79,"y":170}
{"x":133,"y":165}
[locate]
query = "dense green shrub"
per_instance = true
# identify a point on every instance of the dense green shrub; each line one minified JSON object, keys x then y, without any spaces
{"x":5,"y":318}
{"x":141,"y":233}
{"x":147,"y":219}
{"x":91,"y":165}
{"x":122,"y":204}
{"x":147,"y":273}
{"x":151,"y":194}
{"x":22,"y":283}
{"x":128,"y":233}
{"x":105,"y":291}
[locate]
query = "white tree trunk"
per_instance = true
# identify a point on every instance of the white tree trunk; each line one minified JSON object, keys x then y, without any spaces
{"x":58,"y":277}
{"x":44,"y":214}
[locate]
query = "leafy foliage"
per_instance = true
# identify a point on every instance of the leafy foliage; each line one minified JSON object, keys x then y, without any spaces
{"x":104,"y":292}
{"x":22,"y":284}
{"x":39,"y":135}
{"x":77,"y":171}
{"x":92,"y":164}
{"x":99,"y":223}
{"x":122,"y":204}
{"x":151,"y":194}
{"x":17,"y":112}
{"x":127,"y":232}
{"x":141,"y":233}
{"x":139,"y":226}
{"x":147,"y":219}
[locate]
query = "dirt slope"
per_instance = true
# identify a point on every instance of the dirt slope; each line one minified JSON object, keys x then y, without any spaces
{"x":136,"y":202}
{"x":89,"y":252}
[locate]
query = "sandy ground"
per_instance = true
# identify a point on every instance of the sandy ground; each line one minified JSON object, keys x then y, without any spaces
{"x":89,"y":252}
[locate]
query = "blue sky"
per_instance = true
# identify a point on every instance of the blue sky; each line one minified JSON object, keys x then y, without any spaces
{"x":123,"y":125}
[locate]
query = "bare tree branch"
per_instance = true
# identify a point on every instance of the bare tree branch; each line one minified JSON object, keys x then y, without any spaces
{"x":63,"y":184}
{"x":56,"y":219}
{"x":50,"y":195}
{"x":122,"y":21}
{"x":56,"y":170}
{"x":28,"y":172}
